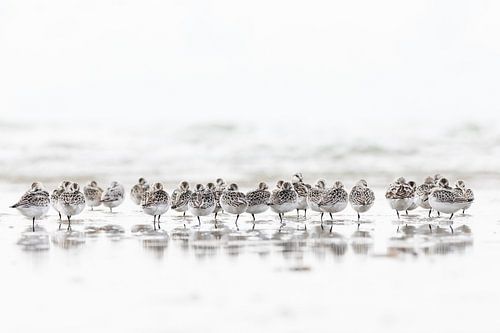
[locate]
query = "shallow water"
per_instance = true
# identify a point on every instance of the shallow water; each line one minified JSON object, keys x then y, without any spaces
{"x":113,"y":272}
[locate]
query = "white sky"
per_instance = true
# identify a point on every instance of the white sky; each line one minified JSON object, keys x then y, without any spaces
{"x":211,"y":59}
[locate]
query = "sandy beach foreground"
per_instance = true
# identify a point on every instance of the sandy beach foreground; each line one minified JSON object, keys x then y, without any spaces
{"x":114,"y":270}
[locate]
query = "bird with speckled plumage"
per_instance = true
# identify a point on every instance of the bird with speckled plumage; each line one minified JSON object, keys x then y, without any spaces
{"x":333,"y":200}
{"x":400,"y":195}
{"x":302,"y":189}
{"x":361,"y":198}
{"x":71,"y":202}
{"x":283,"y":199}
{"x":114,"y":195}
{"x":258,"y":200}
{"x":445,"y":199}
{"x":138,"y":190}
{"x":156,"y":202}
{"x":180,"y":198}
{"x":93,"y":194}
{"x":201,"y":203}
{"x":233,"y":202}
{"x":35,"y":203}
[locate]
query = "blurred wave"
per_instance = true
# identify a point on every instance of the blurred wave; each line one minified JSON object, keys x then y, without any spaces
{"x":245,"y":151}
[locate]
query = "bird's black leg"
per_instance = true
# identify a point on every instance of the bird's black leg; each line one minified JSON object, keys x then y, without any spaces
{"x":60,"y":217}
{"x":430,"y":227}
{"x":359,"y":216}
{"x":159,"y":222}
{"x":297,"y":213}
{"x":451,"y":216}
{"x":322,"y":218}
{"x":331,"y":228}
{"x":331,"y":217}
{"x":69,"y":223}
{"x":184,"y":215}
{"x":154,"y":222}
{"x":281,"y":218}
{"x":253,"y":216}
{"x":397,"y":212}
{"x":407,"y":212}
{"x":430,"y":211}
{"x":305,"y":213}
{"x":236,"y":222}
{"x":439,"y":213}
{"x":33,"y":224}
{"x":199,"y":222}
{"x":451,"y":228}
{"x":216,"y":215}
{"x":463,"y":211}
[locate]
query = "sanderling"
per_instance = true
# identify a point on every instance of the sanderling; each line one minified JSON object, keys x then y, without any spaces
{"x":35,"y":203}
{"x":156,"y":202}
{"x":220,"y":186}
{"x":301,"y":188}
{"x":414,"y":203}
{"x":180,"y":198}
{"x":217,"y":192}
{"x":201,"y":203}
{"x":258,"y":201}
{"x":361,"y":198}
{"x":446,"y":200}
{"x":283,"y":199}
{"x":137,"y":191}
{"x":465,"y":192}
{"x":71,"y":202}
{"x":233,"y":202}
{"x":400,"y":195}
{"x":114,"y":195}
{"x":333,"y":200}
{"x":314,"y":196}
{"x":423,"y":192}
{"x":55,"y":196}
{"x":93,"y":194}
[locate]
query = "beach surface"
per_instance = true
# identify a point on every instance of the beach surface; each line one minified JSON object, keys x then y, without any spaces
{"x":112,"y":272}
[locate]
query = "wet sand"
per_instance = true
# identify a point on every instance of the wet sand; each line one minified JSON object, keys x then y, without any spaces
{"x":113,"y":272}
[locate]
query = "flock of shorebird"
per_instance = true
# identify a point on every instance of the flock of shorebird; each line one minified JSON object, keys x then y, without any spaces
{"x":434,"y":194}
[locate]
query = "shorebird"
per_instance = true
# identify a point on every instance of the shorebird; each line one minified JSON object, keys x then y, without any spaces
{"x":400,"y":195}
{"x":201,"y":203}
{"x":422,"y":193}
{"x":34,"y":204}
{"x":283,"y":199}
{"x":414,"y":203}
{"x":334,"y":200}
{"x":301,"y":188}
{"x":93,"y":194}
{"x":114,"y":196}
{"x":156,"y":202}
{"x":138,"y":190}
{"x":233,"y":202}
{"x":180,"y":198}
{"x":54,"y":198}
{"x":361,"y":198}
{"x":71,"y":202}
{"x":314,"y":196}
{"x":258,"y":200}
{"x":467,"y":193}
{"x":217,"y":192}
{"x":446,"y":200}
